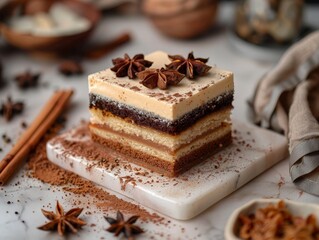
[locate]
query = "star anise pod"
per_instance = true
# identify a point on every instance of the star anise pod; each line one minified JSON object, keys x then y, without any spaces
{"x":27,"y":79}
{"x":119,"y":225}
{"x":161,"y":78}
{"x":61,"y":221}
{"x":130,"y":66}
{"x":70,"y":67}
{"x":9,"y":109}
{"x":191,"y":66}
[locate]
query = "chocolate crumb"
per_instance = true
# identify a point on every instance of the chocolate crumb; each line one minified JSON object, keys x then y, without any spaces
{"x":125,"y":180}
{"x":24,"y":125}
{"x":6,"y":139}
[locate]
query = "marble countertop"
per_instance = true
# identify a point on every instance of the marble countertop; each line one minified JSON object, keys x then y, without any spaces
{"x":22,"y":199}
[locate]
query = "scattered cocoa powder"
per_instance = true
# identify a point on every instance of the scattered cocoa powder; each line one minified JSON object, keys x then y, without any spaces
{"x":41,"y":168}
{"x":125,"y":180}
{"x":78,"y":143}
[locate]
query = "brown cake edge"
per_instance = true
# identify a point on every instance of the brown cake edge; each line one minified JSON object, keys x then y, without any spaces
{"x":166,"y":168}
{"x":195,"y":157}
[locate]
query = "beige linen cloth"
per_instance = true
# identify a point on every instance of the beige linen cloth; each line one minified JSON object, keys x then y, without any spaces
{"x":287,"y":100}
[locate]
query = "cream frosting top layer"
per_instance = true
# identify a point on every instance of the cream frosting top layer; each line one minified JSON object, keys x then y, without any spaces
{"x":171,"y":103}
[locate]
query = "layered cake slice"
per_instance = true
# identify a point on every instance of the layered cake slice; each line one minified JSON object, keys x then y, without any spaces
{"x":167,"y":128}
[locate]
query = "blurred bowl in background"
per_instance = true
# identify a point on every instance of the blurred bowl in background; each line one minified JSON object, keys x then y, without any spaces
{"x":56,"y":44}
{"x":268,"y":23}
{"x":181,"y":18}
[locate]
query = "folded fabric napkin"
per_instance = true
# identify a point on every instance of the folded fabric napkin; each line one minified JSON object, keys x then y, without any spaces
{"x":287,"y":100}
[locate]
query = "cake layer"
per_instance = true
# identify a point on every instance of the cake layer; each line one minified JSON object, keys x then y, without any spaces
{"x":155,"y":149}
{"x":171,"y":104}
{"x":148,"y":119}
{"x":169,"y":142}
{"x":162,"y":166}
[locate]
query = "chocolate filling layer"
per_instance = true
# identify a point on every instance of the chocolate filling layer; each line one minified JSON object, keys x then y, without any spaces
{"x":148,"y":119}
{"x":153,"y":144}
{"x":170,"y":169}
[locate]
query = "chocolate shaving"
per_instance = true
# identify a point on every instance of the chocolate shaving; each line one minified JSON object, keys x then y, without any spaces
{"x":70,"y":67}
{"x":27,"y":79}
{"x":9,"y":109}
{"x":130,"y":67}
{"x":191,"y":66}
{"x":161,"y":78}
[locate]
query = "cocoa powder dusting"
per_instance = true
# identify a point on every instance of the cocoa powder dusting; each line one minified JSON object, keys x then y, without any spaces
{"x":41,"y":168}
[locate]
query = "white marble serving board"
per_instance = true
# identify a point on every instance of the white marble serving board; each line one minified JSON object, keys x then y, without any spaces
{"x":253,"y":151}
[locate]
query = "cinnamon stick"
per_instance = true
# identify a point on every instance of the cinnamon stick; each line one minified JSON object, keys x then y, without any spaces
{"x":31,"y":129}
{"x":33,"y":134}
{"x":103,"y":49}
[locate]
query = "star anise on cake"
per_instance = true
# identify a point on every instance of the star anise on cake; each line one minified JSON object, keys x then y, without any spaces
{"x":191,"y":66}
{"x":9,"y":109}
{"x":119,"y":225}
{"x":130,"y":66}
{"x":27,"y":79}
{"x":61,"y":221}
{"x":161,"y":78}
{"x":70,"y":67}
